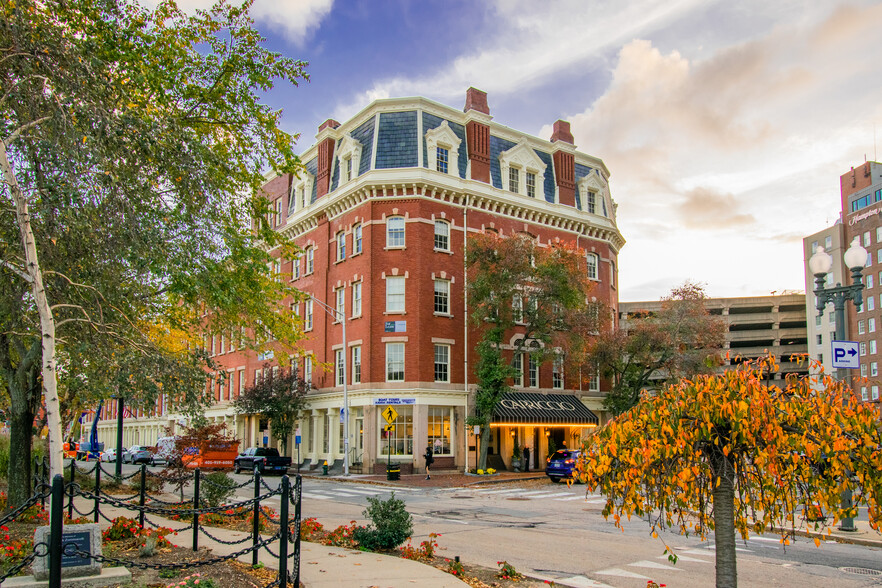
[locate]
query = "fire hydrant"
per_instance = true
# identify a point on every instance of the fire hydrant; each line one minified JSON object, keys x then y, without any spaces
{"x":325,"y":468}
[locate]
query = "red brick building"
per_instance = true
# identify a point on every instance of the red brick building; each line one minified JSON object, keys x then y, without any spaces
{"x":382,"y":215}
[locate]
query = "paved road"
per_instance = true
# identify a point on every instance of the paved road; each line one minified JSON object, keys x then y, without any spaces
{"x":552,"y":531}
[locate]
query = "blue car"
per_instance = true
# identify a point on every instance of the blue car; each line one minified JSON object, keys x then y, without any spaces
{"x":561,"y":464}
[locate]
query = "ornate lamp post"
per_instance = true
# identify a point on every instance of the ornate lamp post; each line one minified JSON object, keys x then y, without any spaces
{"x":820,"y":264}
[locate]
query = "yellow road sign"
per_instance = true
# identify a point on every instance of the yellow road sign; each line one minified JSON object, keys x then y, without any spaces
{"x":388,"y":428}
{"x":390,"y":414}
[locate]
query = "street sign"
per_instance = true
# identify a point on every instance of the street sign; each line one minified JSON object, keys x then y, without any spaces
{"x":388,"y":428}
{"x":390,"y":414}
{"x":845,"y":354}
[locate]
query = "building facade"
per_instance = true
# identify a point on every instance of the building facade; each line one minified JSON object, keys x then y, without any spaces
{"x":821,"y":328}
{"x":755,"y":327}
{"x":382,"y":215}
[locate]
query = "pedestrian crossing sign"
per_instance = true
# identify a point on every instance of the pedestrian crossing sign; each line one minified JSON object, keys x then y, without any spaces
{"x":388,"y":428}
{"x":390,"y":414}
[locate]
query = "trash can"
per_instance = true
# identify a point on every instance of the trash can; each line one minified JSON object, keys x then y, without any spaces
{"x":393,"y":472}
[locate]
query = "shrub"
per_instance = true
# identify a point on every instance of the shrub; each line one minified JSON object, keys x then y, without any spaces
{"x":154,"y":484}
{"x":391,"y":524}
{"x":344,"y":536}
{"x":216,"y":488}
{"x":194,"y":581}
{"x":311,"y":529}
{"x":425,"y":551}
{"x":507,"y":571}
{"x":454,"y":567}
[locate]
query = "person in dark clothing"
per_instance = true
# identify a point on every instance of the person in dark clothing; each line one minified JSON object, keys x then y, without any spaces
{"x":526,"y":459}
{"x":430,"y":459}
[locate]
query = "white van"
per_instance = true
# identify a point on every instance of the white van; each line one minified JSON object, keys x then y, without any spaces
{"x":165,"y":449}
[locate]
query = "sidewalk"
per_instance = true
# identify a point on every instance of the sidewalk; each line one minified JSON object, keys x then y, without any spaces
{"x":320,"y":565}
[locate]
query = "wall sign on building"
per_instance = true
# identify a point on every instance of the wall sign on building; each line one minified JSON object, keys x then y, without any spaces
{"x":396,"y":326}
{"x":395,"y":401}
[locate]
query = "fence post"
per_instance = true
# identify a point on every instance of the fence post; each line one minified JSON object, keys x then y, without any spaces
{"x":97,"y":488}
{"x":283,"y":535}
{"x":297,"y":513}
{"x":73,"y":472}
{"x":255,"y":514}
{"x":56,"y":528}
{"x":143,"y":492}
{"x":195,"y":509}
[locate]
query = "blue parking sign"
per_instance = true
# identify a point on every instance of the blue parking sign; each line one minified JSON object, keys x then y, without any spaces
{"x":845,"y":354}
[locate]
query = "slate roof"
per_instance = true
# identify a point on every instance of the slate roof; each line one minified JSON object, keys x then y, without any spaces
{"x":535,"y":408}
{"x":312,"y":168}
{"x":365,"y":135}
{"x":397,"y":140}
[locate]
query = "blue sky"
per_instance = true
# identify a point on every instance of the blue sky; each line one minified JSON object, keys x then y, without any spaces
{"x":725,"y":125}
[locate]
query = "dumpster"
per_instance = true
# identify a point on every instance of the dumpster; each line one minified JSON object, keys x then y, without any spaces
{"x":393,"y":472}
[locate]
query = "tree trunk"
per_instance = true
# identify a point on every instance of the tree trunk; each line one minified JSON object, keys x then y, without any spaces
{"x":34,"y":275}
{"x":724,"y":523}
{"x":485,"y":446}
{"x":20,"y":436}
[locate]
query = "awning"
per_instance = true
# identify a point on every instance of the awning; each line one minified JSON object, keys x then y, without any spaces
{"x":530,"y":408}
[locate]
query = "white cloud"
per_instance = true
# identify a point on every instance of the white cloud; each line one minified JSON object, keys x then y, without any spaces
{"x":295,"y":19}
{"x":728,"y":157}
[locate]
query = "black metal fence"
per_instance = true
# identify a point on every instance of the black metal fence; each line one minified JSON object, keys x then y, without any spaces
{"x":285,"y":529}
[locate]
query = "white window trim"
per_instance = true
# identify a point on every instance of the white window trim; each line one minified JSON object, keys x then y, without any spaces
{"x":591,"y":183}
{"x":349,"y":149}
{"x":302,"y":183}
{"x":444,"y":137}
{"x":525,"y":159}
{"x":386,"y":294}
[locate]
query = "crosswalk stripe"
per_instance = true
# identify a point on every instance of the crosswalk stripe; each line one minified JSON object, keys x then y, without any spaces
{"x":498,"y":491}
{"x":537,"y":493}
{"x":316,"y":496}
{"x":571,"y":498}
{"x":367,"y":492}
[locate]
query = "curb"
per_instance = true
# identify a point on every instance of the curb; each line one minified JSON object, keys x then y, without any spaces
{"x":837,"y":537}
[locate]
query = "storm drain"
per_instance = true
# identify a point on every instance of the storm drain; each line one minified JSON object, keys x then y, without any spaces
{"x":861,"y":571}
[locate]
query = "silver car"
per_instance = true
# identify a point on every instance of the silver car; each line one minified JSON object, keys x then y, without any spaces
{"x":138,"y":454}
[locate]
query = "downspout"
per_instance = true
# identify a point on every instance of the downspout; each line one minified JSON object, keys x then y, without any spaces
{"x":465,"y":298}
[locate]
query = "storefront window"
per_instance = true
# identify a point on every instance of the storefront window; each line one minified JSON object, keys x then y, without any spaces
{"x":439,"y":430}
{"x":400,"y":438}
{"x":326,"y":441}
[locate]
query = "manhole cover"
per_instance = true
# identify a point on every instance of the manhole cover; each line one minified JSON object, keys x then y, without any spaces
{"x":861,"y":571}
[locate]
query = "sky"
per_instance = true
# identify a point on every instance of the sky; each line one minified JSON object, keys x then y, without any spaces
{"x":725,"y":125}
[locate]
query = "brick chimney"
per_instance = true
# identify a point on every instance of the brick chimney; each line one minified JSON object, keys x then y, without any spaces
{"x":327,"y":140}
{"x":563,"y":152}
{"x":478,"y":134}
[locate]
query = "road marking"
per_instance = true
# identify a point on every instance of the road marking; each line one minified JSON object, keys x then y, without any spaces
{"x":497,"y":491}
{"x":572,"y":581}
{"x":538,"y":493}
{"x":621,"y":573}
{"x":654,"y":565}
{"x":684,"y":558}
{"x":769,"y":539}
{"x":572,"y":498}
{"x":366,"y":492}
{"x":316,"y":496}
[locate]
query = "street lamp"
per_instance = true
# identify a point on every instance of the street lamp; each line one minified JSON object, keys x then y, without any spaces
{"x":820,"y":264}
{"x":341,"y":316}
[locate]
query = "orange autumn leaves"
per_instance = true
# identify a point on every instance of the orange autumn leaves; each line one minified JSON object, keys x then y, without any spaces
{"x":789,"y":445}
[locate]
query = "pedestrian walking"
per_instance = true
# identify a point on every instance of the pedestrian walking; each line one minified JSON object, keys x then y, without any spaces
{"x":526,"y":459}
{"x":430,"y":459}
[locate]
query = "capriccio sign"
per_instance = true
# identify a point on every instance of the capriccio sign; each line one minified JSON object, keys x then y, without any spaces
{"x":537,"y":404}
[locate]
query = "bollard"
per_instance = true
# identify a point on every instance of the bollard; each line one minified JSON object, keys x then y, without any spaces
{"x":143,"y":492}
{"x":97,"y":488}
{"x":195,"y":510}
{"x":297,"y":513}
{"x":56,"y":528}
{"x":255,"y":514}
{"x":283,"y":536}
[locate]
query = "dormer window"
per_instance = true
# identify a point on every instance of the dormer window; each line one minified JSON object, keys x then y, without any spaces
{"x":442,"y":148}
{"x":348,"y":158}
{"x":441,"y":159}
{"x":591,"y":199}
{"x":522,"y":159}
{"x":591,"y":189}
{"x":301,"y":192}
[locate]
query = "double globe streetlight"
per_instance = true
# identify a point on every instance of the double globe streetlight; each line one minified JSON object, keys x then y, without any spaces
{"x":820,"y":265}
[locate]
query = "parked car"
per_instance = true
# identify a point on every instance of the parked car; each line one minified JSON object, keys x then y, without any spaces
{"x":265,"y":458}
{"x":110,"y":454}
{"x":138,"y":454}
{"x":561,"y":464}
{"x":165,"y":450}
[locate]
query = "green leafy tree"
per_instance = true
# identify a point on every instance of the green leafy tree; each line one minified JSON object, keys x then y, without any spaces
{"x":733,"y":453}
{"x":279,"y":397}
{"x":683,"y":339}
{"x":133,"y":148}
{"x":534,"y":294}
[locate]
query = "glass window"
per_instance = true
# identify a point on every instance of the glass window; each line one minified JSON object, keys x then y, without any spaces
{"x":875,"y":393}
{"x":534,"y":371}
{"x":869,"y":283}
{"x":828,"y":242}
{"x":442,"y":235}
{"x":398,"y":441}
{"x":442,"y":363}
{"x":820,"y":339}
{"x":356,"y":364}
{"x":863,"y":370}
{"x":230,"y":383}
{"x":862,"y":327}
{"x":442,"y":296}
{"x":517,"y":308}
{"x":514,"y":184}
{"x":557,"y":377}
{"x":863,"y":392}
{"x":592,"y":202}
{"x":871,"y":325}
{"x":871,"y":302}
{"x":874,"y":369}
{"x":863,"y":348}
{"x":439,"y":430}
{"x":878,"y":258}
{"x":341,"y":246}
{"x":395,"y":231}
{"x":395,"y":294}
{"x":295,"y":267}
{"x":878,"y":234}
{"x":326,"y":440}
{"x":817,"y":320}
{"x":310,"y":260}
{"x":592,"y":266}
{"x":872,"y":346}
{"x":339,"y":366}
{"x":442,"y":157}
{"x":394,"y":362}
{"x":518,"y":365}
{"x":356,"y":239}
{"x":356,"y":299}
{"x":241,"y":381}
{"x":307,"y":370}
{"x":341,"y":304}
{"x":307,"y":317}
{"x":531,"y":185}
{"x":867,"y":238}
